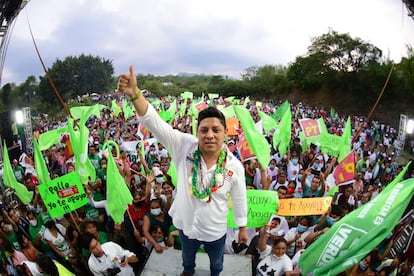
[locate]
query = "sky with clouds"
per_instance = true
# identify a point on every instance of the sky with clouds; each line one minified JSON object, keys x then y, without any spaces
{"x":212,"y":37}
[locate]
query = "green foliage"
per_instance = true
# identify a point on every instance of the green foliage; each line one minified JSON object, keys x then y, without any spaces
{"x":76,"y":76}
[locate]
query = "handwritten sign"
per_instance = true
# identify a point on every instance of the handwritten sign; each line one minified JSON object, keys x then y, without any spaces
{"x":261,"y":204}
{"x":304,"y":206}
{"x":63,"y":195}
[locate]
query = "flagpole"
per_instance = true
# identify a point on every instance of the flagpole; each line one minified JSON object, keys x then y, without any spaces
{"x":377,"y":101}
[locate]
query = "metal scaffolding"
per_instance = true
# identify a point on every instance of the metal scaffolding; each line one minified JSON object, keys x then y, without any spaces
{"x":28,"y":131}
{"x":400,"y":142}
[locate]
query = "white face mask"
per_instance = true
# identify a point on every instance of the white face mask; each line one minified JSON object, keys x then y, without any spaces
{"x":33,"y":222}
{"x":156,"y":211}
{"x":10,"y":227}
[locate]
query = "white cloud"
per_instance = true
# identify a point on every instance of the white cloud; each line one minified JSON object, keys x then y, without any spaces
{"x":211,"y":37}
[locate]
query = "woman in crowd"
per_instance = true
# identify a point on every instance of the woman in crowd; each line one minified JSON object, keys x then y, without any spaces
{"x":156,"y":217}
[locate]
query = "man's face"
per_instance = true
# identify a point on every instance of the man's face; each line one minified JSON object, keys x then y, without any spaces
{"x":211,"y":135}
{"x":95,"y":248}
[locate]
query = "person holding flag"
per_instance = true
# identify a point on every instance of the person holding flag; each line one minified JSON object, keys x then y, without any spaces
{"x":206,"y":173}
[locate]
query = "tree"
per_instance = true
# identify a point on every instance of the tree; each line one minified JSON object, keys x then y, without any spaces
{"x":340,"y":52}
{"x":76,"y":76}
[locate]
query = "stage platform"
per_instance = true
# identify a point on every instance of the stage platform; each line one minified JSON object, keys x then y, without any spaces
{"x":169,"y":263}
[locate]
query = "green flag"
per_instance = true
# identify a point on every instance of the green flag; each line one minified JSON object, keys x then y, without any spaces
{"x":346,"y":144}
{"x":212,"y":96}
{"x":118,"y":195}
{"x":281,"y":137}
{"x":51,"y":137}
{"x":356,"y":234}
{"x":246,"y":101}
{"x":42,"y":172}
{"x":115,"y":108}
{"x":78,"y":112}
{"x":256,"y":140}
{"x":332,"y":112}
{"x":281,"y":110}
{"x":79,"y":139}
{"x":10,"y":180}
{"x":228,"y":112}
{"x":268,"y":122}
{"x":128,"y":110}
{"x":187,"y":95}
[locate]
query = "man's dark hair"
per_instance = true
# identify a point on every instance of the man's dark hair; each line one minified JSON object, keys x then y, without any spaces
{"x":211,"y":112}
{"x":85,"y":240}
{"x":46,"y":264}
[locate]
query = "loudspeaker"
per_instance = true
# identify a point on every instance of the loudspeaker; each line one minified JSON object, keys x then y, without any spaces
{"x":5,"y":128}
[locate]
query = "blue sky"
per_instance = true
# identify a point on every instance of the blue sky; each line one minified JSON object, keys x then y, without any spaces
{"x":212,"y":37}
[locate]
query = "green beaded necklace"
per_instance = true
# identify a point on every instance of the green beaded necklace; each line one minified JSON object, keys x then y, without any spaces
{"x":218,"y":177}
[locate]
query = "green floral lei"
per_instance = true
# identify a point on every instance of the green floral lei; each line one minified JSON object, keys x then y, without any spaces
{"x":218,"y":176}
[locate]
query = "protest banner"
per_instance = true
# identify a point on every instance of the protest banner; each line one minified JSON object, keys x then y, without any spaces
{"x":304,"y":206}
{"x":63,"y":195}
{"x":261,"y":204}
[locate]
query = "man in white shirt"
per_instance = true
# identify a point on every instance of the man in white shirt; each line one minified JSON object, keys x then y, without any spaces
{"x":108,"y":258}
{"x":207,"y":172}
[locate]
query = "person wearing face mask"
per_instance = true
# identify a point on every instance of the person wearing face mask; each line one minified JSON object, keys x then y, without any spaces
{"x":361,"y":268}
{"x":156,"y":217}
{"x":273,"y":259}
{"x":295,"y":237}
{"x":293,"y":166}
{"x":272,"y":170}
{"x":329,"y":218}
{"x":140,"y":206}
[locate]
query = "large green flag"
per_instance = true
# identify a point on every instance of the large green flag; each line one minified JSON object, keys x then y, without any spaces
{"x":10,"y":180}
{"x":346,"y":145}
{"x":256,"y":140}
{"x":187,"y":95}
{"x":228,"y":112}
{"x":79,"y":139}
{"x":281,"y":110}
{"x":118,"y":195}
{"x":281,"y":137}
{"x":51,"y":137}
{"x":79,"y":112}
{"x":115,"y":109}
{"x":268,"y":122}
{"x":40,"y":166}
{"x":355,"y":235}
{"x":128,"y":110}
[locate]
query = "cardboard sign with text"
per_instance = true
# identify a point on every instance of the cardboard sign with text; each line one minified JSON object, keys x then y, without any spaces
{"x":63,"y":195}
{"x":304,"y":206}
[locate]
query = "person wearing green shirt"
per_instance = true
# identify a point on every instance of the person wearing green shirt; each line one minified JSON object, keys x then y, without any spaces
{"x":91,"y":226}
{"x":18,"y":171}
{"x":36,"y":230}
{"x":94,"y":157}
{"x":8,"y":234}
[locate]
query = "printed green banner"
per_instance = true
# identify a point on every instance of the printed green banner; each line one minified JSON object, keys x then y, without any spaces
{"x":261,"y":204}
{"x":355,"y":235}
{"x":63,"y":195}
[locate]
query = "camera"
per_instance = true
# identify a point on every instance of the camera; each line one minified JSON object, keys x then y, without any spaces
{"x":113,"y":271}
